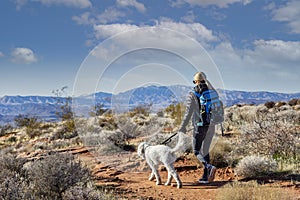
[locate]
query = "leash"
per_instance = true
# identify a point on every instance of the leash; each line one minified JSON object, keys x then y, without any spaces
{"x":168,"y":140}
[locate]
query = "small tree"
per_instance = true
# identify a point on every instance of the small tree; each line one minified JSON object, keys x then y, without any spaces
{"x":64,"y":103}
{"x":65,"y":113}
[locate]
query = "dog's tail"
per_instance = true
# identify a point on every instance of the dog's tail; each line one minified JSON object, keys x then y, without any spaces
{"x":182,"y":143}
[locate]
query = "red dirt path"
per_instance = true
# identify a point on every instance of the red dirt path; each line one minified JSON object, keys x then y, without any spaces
{"x":135,"y":185}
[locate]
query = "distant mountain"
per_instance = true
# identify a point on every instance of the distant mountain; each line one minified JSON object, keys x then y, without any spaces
{"x":242,"y":97}
{"x":156,"y":96}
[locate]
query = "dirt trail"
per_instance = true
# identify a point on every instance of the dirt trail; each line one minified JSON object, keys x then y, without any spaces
{"x":135,"y":185}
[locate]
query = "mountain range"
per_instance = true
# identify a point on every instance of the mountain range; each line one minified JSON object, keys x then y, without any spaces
{"x":158,"y":97}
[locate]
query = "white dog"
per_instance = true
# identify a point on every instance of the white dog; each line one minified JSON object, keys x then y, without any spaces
{"x":157,"y":154}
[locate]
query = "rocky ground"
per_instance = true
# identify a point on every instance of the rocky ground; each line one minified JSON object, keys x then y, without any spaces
{"x":135,"y":185}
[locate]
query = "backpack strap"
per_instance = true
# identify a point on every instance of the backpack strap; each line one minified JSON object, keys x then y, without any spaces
{"x":197,"y":94}
{"x":199,"y":113}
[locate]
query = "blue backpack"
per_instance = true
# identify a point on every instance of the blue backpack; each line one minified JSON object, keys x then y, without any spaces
{"x":211,"y":111}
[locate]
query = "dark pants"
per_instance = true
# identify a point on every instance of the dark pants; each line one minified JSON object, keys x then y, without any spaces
{"x":202,"y":139}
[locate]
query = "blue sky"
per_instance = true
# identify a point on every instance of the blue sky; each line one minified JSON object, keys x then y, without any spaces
{"x":46,"y":44}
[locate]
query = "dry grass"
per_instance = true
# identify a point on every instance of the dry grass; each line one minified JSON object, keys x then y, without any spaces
{"x":252,"y":190}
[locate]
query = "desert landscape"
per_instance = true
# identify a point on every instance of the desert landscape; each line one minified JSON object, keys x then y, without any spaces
{"x":257,"y":155}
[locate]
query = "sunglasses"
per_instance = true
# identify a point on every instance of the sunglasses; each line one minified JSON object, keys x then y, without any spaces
{"x":194,"y":82}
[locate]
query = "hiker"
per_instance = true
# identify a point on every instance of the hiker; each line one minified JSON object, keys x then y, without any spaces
{"x":203,"y":131}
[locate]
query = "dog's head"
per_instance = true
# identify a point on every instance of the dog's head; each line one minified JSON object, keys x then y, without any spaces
{"x":141,"y":149}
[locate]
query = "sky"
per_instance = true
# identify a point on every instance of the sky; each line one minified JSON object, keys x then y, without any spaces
{"x":116,"y":45}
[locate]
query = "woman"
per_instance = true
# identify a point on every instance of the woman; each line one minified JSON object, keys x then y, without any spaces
{"x":203,"y":130}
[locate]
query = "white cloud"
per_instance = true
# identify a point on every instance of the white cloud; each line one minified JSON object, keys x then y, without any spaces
{"x":70,"y":3}
{"x":1,"y":54}
{"x":20,"y":4}
{"x":105,"y":31}
{"x":277,"y":51}
{"x":189,"y":17}
{"x":23,"y":56}
{"x":109,"y":15}
{"x":125,"y":3}
{"x":204,"y":3}
{"x":83,"y":19}
{"x":269,"y":65}
{"x":194,"y":30}
{"x":289,"y":13}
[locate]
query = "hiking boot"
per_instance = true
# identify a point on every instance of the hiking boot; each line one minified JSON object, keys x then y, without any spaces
{"x":211,"y":172}
{"x":203,"y":180}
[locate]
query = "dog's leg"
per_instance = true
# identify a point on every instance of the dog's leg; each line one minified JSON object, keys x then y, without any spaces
{"x":169,"y":180}
{"x":157,"y":176}
{"x":172,"y":172}
{"x":152,"y":176}
{"x":155,"y":172}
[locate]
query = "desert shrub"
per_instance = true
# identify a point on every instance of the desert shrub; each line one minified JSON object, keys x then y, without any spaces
{"x":160,"y":113}
{"x":52,"y":176}
{"x":154,"y":124}
{"x":293,"y":102}
{"x":12,"y":174}
{"x":67,"y":130}
{"x":252,"y":166}
{"x":252,"y":191}
{"x":26,"y":121}
{"x":219,"y":153}
{"x":12,"y":187}
{"x":98,"y":110}
{"x":142,"y":110}
{"x":66,"y":111}
{"x":270,"y":104}
{"x":5,"y":129}
{"x":280,"y":103}
{"x":121,"y":139}
{"x":107,"y":122}
{"x":271,"y":134}
{"x":32,"y":125}
{"x":130,"y":129}
{"x":176,"y":112}
{"x":12,"y":139}
{"x":238,"y":115}
{"x":79,"y":193}
{"x":12,"y":163}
